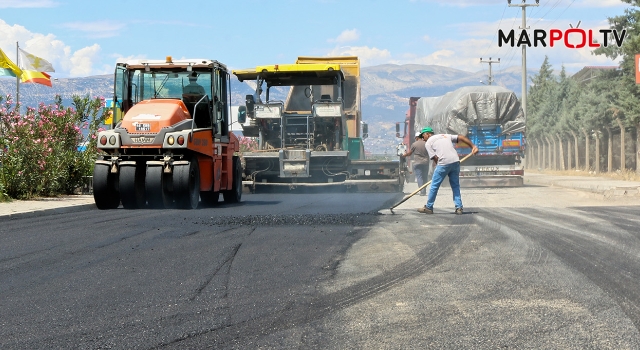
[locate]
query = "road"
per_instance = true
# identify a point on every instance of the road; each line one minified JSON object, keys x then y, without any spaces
{"x":531,"y":267}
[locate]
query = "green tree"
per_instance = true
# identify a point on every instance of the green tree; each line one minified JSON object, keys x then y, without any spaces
{"x":569,"y":116}
{"x":540,"y":105}
{"x":628,"y":100}
{"x":90,"y":116}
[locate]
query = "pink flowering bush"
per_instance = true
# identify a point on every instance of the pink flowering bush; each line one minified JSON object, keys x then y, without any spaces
{"x":41,"y":155}
{"x":247,"y":144}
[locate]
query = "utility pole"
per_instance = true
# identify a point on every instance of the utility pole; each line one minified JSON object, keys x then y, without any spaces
{"x":524,"y":6}
{"x":490,"y":62}
{"x":17,"y":78}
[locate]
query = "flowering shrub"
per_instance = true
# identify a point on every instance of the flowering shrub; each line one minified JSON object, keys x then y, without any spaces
{"x":41,"y":148}
{"x":247,"y":144}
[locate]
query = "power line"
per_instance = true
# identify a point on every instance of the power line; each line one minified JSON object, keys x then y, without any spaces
{"x":513,"y":24}
{"x":561,"y":13}
{"x":511,"y":54}
{"x":496,"y":32}
{"x":546,"y":13}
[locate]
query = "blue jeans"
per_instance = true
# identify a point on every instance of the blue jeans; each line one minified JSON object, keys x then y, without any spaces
{"x":421,"y":171}
{"x":451,"y":170}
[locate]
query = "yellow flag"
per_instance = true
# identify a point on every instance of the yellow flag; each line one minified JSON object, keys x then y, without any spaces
{"x":7,"y":67}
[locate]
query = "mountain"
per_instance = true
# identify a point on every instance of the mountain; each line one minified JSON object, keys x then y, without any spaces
{"x":33,"y":94}
{"x":385,"y":92}
{"x":387,"y":88}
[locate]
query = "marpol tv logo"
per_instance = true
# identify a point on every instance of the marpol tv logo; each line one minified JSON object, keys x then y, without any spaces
{"x":572,"y":38}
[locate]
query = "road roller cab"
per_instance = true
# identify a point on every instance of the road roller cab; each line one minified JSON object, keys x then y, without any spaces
{"x":173,"y":147}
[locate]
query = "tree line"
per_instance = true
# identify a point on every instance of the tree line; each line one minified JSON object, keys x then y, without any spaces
{"x":569,"y":121}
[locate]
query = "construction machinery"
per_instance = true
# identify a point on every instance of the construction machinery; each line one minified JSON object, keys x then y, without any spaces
{"x":172,"y":147}
{"x":314,"y":136}
{"x":490,"y":116}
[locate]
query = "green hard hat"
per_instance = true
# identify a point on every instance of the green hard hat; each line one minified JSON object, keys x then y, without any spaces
{"x":427,"y":129}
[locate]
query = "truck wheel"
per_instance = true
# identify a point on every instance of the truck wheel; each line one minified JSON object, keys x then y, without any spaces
{"x":132,"y":186}
{"x":104,"y":188}
{"x":234,"y":195}
{"x":156,"y":188}
{"x":186,"y":184}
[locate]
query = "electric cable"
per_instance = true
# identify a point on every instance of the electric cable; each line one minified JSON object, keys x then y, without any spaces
{"x":561,"y":13}
{"x":546,"y":13}
{"x":496,"y":32}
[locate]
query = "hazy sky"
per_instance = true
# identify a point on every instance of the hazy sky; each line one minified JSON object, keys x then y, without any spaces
{"x":86,"y":37}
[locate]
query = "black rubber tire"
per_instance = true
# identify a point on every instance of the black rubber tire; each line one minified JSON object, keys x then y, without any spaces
{"x":156,"y":188}
{"x":132,"y":187}
{"x":209,"y":198}
{"x":186,"y":184}
{"x":105,"y":193}
{"x":167,"y":185}
{"x":234,"y":195}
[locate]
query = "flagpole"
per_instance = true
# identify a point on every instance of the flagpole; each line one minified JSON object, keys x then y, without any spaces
{"x":17,"y":77}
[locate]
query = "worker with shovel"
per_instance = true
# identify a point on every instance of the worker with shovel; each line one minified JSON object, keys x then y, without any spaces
{"x":445,"y":157}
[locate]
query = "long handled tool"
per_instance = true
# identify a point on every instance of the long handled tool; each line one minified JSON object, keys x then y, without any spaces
{"x":423,"y":186}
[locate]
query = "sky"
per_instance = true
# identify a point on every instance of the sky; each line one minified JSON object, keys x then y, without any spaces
{"x":86,"y":37}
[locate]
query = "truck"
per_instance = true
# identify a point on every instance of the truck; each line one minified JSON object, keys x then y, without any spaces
{"x":314,"y":136}
{"x":169,"y":147}
{"x":490,"y":116}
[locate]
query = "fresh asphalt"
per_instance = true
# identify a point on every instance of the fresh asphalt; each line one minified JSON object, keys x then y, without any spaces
{"x":599,"y":186}
{"x":534,"y":267}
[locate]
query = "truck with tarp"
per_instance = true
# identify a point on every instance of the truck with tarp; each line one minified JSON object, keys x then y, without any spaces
{"x":490,"y":116}
{"x":314,"y":137}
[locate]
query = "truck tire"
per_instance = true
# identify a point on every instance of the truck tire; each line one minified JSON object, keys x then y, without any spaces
{"x":132,"y":191}
{"x":234,"y":195}
{"x":156,"y":188}
{"x":105,"y":193}
{"x":186,"y":184}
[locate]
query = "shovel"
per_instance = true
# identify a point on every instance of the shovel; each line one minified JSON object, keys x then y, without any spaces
{"x":421,"y":187}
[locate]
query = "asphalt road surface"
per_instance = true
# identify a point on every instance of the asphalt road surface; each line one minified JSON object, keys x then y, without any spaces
{"x":531,"y":267}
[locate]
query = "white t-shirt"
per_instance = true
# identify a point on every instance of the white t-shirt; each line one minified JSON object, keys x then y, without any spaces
{"x":441,"y":145}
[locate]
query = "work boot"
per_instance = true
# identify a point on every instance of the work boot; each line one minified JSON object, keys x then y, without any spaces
{"x":459,"y":211}
{"x":425,"y":210}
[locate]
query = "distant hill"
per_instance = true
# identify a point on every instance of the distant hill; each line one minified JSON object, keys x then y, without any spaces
{"x":385,"y":92}
{"x":388,"y":87}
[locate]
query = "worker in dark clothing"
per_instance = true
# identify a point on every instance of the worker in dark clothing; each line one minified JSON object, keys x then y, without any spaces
{"x":420,"y":161}
{"x":193,"y":87}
